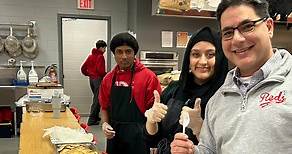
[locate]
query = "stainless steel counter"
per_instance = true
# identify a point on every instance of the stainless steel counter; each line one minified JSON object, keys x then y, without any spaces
{"x":10,"y":94}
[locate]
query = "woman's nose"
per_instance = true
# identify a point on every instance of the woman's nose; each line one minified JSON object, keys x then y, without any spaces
{"x":203,"y":59}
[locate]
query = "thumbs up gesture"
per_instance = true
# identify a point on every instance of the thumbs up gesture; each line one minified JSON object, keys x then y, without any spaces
{"x":158,"y":110}
{"x":196,"y":120}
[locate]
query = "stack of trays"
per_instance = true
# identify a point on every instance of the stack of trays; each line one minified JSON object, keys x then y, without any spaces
{"x":45,"y":107}
{"x":80,"y":148}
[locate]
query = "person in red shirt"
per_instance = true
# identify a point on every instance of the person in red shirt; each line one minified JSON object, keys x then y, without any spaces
{"x":126,"y":92}
{"x":94,"y":68}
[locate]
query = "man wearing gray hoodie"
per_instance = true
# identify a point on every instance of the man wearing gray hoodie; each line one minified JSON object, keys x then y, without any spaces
{"x":252,"y":112}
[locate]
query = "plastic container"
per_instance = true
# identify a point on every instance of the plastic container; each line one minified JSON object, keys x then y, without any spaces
{"x":19,"y":83}
{"x":56,"y":110}
{"x":35,"y":109}
{"x":21,"y":75}
{"x":6,"y":130}
{"x":32,"y":75}
{"x":56,"y":104}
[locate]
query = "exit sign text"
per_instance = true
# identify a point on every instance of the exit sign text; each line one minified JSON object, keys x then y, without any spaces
{"x":85,"y":4}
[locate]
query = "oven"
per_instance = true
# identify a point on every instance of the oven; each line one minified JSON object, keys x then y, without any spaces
{"x":159,"y":61}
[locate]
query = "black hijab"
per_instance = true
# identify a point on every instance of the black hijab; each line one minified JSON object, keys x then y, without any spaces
{"x":186,"y":80}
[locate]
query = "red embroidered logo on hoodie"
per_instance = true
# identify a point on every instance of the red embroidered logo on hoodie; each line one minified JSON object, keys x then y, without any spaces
{"x":268,"y":99}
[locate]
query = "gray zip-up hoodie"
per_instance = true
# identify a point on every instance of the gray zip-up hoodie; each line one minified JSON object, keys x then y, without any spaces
{"x":264,"y":126}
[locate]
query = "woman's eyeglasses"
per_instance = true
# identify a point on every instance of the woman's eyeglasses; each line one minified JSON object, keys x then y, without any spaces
{"x":243,"y":28}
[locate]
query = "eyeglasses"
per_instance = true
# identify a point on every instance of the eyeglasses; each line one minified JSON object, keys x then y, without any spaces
{"x":243,"y":28}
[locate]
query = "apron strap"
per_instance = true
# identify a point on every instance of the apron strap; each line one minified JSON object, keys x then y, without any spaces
{"x":131,"y":82}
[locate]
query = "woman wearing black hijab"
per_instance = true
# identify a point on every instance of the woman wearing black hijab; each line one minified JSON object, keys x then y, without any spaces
{"x":203,"y":72}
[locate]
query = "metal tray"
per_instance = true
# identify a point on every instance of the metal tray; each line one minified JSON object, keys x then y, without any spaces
{"x":45,"y":107}
{"x":85,"y":147}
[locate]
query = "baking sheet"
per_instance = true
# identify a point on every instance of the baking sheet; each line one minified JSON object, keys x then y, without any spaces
{"x":86,"y":148}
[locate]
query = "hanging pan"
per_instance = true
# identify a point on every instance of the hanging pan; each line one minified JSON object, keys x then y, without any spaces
{"x":12,"y":45}
{"x":29,"y":46}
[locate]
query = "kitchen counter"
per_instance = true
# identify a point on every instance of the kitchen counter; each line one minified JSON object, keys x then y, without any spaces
{"x":32,"y":130}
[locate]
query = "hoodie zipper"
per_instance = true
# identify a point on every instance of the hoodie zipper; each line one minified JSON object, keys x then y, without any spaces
{"x":243,"y":104}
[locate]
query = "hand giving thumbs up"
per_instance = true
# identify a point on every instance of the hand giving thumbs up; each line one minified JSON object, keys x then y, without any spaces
{"x":196,"y":120}
{"x":158,"y":110}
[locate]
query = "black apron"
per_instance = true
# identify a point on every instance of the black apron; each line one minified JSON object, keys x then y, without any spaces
{"x":127,"y":121}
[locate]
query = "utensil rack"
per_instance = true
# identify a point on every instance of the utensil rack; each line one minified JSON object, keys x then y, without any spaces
{"x":30,"y":24}
{"x":18,"y":27}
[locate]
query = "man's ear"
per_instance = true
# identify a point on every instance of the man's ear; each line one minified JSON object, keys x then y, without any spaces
{"x":270,"y":25}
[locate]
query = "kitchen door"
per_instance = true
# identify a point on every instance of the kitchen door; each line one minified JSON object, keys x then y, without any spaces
{"x":78,"y":39}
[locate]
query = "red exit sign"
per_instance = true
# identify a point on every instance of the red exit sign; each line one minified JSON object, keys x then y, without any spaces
{"x":85,"y":4}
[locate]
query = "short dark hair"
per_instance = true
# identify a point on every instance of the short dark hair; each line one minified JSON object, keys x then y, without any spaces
{"x":100,"y":43}
{"x":124,"y":38}
{"x":261,"y":7}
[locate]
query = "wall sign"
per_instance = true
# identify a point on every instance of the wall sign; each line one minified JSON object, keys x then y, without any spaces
{"x":182,"y":39}
{"x":85,"y":4}
{"x":166,"y":39}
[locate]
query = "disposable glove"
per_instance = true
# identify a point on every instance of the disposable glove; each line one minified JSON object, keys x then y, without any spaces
{"x":158,"y":110}
{"x":196,"y":120}
{"x":108,"y":131}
